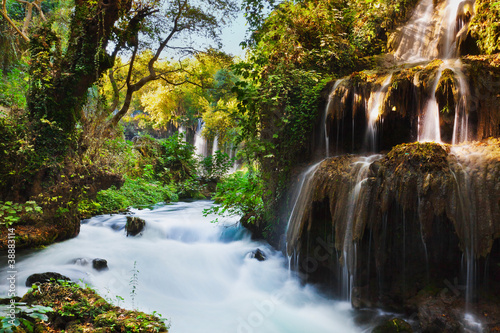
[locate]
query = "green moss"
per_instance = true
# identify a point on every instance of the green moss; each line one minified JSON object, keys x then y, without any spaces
{"x":77,"y":309}
{"x":485,"y":26}
{"x":394,"y":325}
{"x":423,"y":157}
{"x":447,"y":93}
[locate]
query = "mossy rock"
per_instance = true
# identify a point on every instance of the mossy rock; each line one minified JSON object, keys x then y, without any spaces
{"x":77,"y":309}
{"x":427,"y":156}
{"x":394,"y":325}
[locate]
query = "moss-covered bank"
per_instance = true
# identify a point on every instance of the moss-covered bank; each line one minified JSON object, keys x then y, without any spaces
{"x":76,"y":309}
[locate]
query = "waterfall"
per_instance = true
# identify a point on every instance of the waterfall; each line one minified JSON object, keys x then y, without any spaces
{"x":325,"y":117}
{"x":461,"y":123}
{"x":200,"y":143}
{"x":428,"y":121}
{"x":431,"y":32}
{"x":182,"y":131}
{"x":349,"y":213}
{"x":215,"y":145}
{"x":300,"y":199}
{"x":374,"y":110}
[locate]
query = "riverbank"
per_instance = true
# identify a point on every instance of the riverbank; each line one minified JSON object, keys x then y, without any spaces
{"x":67,"y":307}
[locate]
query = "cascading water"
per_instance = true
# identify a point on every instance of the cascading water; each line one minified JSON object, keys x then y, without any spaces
{"x":300,"y":200}
{"x":461,"y":123}
{"x":182,"y":131}
{"x":374,"y":106}
{"x":200,"y":143}
{"x":428,"y":121}
{"x":350,"y":213}
{"x":325,"y":116}
{"x":215,"y":145}
{"x":197,"y":274}
{"x":431,"y":32}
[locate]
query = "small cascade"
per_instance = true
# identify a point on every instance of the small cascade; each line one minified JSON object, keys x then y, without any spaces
{"x":468,"y":220}
{"x":215,"y":145}
{"x":232,"y":155}
{"x":350,"y":213}
{"x":325,"y":117}
{"x":200,"y":143}
{"x":300,"y":200}
{"x":374,"y":109}
{"x":431,"y":32}
{"x":461,"y":131}
{"x":182,"y":131}
{"x":428,"y":121}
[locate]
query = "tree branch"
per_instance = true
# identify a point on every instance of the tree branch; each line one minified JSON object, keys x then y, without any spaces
{"x":6,"y":16}
{"x":131,"y":88}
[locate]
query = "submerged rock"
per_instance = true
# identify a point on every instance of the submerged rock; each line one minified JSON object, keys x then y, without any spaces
{"x":258,"y":254}
{"x":100,"y":264}
{"x":134,"y":225}
{"x":45,"y":277}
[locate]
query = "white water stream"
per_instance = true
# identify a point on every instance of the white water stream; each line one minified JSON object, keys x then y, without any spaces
{"x":199,"y":275}
{"x":200,"y":143}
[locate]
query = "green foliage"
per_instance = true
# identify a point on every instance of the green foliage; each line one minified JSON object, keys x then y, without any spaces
{"x":239,"y":194}
{"x":26,"y":315}
{"x":138,"y":193}
{"x":485,"y":26}
{"x":16,"y":152}
{"x":78,"y":307}
{"x":215,"y":166}
{"x":190,"y":189}
{"x":134,"y":282}
{"x":12,"y":212}
{"x":176,"y":162}
{"x":13,"y":87}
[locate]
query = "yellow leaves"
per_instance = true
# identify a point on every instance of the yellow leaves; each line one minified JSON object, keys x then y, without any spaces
{"x":218,"y":120}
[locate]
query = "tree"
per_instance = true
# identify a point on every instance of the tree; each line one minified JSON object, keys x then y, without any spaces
{"x":61,"y":72}
{"x":184,"y":17}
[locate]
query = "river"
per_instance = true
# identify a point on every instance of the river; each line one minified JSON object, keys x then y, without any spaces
{"x":198,"y":274}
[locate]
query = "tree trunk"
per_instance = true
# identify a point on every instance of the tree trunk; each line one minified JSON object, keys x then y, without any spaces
{"x":60,"y":82}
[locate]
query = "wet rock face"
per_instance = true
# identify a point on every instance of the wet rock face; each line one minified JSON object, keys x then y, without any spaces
{"x":394,"y":325}
{"x":413,"y":219}
{"x":470,"y":87}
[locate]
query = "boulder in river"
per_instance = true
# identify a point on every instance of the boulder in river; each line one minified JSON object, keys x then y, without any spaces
{"x":258,"y":254}
{"x":45,"y":277}
{"x":134,"y":225}
{"x":100,"y":264}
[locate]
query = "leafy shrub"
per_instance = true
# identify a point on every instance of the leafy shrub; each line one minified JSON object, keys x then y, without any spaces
{"x":11,"y":212}
{"x":176,"y":162}
{"x":239,"y":194}
{"x":214,"y":167}
{"x":13,"y":88}
{"x":134,"y":193}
